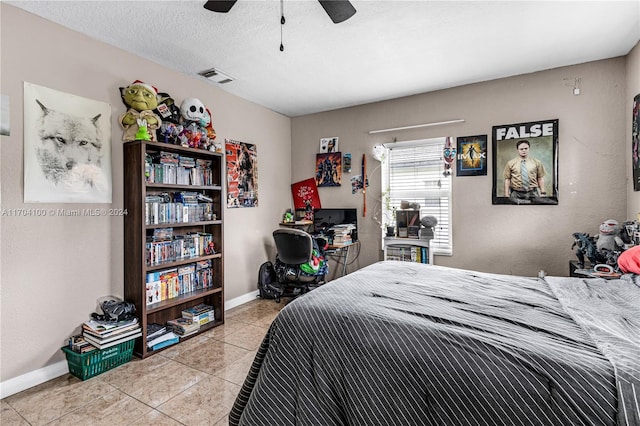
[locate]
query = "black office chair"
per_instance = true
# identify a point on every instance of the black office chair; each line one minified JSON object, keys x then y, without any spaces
{"x":294,"y":248}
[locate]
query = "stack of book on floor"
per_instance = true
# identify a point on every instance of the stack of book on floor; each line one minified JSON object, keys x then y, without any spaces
{"x":184,"y":327}
{"x":80,"y":345}
{"x":201,"y":314}
{"x":160,"y":336}
{"x":105,"y":334}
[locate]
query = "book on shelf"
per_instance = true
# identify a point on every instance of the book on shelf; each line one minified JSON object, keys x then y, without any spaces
{"x":184,"y":326}
{"x":196,"y":310}
{"x":182,"y":336}
{"x":203,"y":318}
{"x":107,"y":343}
{"x":154,"y":329}
{"x":165,"y":343}
{"x":201,"y":314}
{"x":169,"y":336}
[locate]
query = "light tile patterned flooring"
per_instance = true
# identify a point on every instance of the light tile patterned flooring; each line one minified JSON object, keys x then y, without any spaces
{"x":193,"y":383}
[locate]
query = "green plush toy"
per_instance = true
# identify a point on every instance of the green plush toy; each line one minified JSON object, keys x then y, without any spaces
{"x":142,"y":99}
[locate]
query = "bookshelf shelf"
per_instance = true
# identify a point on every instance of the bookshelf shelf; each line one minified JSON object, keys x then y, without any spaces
{"x":180,"y":262}
{"x":153,"y":200}
{"x":183,"y":224}
{"x":183,"y":298}
{"x":408,"y":250}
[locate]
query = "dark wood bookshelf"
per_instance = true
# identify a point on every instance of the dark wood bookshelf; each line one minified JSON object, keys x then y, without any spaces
{"x":136,"y":230}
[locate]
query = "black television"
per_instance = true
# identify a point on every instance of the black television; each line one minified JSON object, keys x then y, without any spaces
{"x":323,"y":219}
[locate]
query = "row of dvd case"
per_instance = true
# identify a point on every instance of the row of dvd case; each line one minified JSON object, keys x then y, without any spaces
{"x":173,"y":282}
{"x":178,"y":247}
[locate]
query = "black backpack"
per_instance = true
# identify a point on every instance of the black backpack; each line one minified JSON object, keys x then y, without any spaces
{"x":268,"y":282}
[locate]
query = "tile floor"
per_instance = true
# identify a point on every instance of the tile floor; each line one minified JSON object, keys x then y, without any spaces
{"x":193,"y":383}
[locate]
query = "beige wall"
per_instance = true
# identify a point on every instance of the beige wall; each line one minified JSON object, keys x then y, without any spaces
{"x":55,"y":268}
{"x":496,"y":238}
{"x":633,"y":89}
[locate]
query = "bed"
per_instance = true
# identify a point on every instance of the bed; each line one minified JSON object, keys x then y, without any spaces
{"x":400,"y":343}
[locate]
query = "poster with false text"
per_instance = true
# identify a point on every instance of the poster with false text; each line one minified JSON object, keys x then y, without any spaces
{"x":525,"y":163}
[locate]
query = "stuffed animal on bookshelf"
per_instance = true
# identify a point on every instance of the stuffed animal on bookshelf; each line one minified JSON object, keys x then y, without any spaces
{"x":193,"y":113}
{"x":141,"y":99}
{"x":169,"y":112}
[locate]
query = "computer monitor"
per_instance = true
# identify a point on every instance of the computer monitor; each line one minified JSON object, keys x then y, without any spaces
{"x":323,"y":219}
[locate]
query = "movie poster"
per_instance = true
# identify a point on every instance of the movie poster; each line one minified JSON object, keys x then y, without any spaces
{"x":242,"y":174}
{"x":472,"y":156}
{"x":329,"y":169}
{"x":635,"y":143}
{"x":525,"y":163}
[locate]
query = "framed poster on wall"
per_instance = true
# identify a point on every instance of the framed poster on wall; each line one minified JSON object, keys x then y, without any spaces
{"x":525,"y":163}
{"x":329,"y":169}
{"x":67,"y":147}
{"x":242,"y":174}
{"x":472,"y":156}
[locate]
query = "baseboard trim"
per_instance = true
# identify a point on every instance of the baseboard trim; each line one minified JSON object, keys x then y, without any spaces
{"x":240,"y":300}
{"x":50,"y":372}
{"x":33,"y":378}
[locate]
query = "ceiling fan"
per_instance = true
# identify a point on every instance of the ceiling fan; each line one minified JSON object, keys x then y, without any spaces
{"x":338,"y":10}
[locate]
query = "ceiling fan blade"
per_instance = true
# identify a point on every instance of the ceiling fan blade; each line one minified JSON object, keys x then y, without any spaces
{"x":221,"y":6}
{"x":338,"y":10}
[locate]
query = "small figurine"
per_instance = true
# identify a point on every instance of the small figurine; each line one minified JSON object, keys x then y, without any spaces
{"x":585,"y":247}
{"x":141,"y":98}
{"x":142,"y":134}
{"x":288,"y":217}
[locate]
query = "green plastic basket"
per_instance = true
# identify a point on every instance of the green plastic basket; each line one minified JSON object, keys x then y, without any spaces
{"x":90,"y":364}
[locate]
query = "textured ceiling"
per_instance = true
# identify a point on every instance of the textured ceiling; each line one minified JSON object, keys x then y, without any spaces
{"x":388,"y":49}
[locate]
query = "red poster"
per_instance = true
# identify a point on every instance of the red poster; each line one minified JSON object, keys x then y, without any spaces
{"x":305,"y":192}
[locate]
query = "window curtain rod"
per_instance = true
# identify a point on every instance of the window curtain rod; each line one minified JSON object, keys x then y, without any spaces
{"x":371,"y":132}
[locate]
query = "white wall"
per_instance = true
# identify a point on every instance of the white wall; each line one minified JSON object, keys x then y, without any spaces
{"x":496,"y":238}
{"x":55,"y":268}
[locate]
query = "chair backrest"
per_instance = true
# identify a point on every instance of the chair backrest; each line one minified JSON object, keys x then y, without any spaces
{"x":294,"y":246}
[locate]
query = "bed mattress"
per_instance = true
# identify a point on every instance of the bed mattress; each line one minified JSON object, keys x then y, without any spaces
{"x":400,"y":343}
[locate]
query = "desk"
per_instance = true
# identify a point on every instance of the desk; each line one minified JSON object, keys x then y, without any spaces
{"x":306,"y":226}
{"x":341,"y":254}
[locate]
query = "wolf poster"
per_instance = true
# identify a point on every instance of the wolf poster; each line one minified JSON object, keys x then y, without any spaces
{"x":67,"y":147}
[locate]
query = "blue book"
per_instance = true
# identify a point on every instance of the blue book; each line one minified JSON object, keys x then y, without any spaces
{"x":165,"y":343}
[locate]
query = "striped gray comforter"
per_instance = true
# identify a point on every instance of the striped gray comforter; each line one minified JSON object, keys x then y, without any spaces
{"x":400,"y":343}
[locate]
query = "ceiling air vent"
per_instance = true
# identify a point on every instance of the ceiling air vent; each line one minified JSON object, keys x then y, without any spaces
{"x":216,"y":76}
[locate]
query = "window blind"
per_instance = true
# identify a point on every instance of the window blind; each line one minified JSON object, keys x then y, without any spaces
{"x":414,"y":172}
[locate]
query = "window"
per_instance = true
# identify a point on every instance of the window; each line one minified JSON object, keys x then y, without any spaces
{"x":413,"y":171}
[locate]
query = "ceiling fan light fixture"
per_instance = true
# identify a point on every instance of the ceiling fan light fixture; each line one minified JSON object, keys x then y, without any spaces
{"x":216,"y":76}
